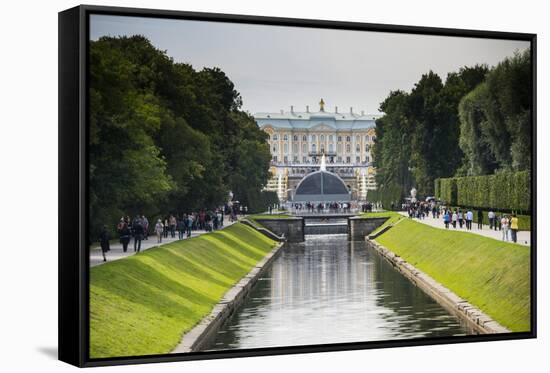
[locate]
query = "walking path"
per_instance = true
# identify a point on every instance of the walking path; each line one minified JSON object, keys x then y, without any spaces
{"x":524,"y":237}
{"x":96,"y":258}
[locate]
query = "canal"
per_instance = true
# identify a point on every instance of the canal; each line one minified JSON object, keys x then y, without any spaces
{"x":330,"y":290}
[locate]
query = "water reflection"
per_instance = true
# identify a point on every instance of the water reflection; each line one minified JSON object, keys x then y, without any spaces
{"x":329,"y":290}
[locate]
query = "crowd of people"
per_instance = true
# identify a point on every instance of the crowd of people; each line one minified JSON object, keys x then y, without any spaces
{"x":183,"y":225}
{"x":322,"y":207}
{"x":458,"y":218}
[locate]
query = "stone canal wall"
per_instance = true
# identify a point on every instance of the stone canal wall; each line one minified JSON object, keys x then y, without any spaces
{"x":359,"y":228}
{"x":264,"y":231}
{"x":198,"y":337}
{"x":474,"y":318}
{"x":291,"y":228}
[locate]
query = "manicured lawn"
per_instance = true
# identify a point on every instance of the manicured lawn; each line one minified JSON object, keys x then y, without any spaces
{"x":490,"y":274}
{"x":143,"y":304}
{"x":393,"y":216}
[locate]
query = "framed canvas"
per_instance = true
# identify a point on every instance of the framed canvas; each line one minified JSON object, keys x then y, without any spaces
{"x":235,"y":186}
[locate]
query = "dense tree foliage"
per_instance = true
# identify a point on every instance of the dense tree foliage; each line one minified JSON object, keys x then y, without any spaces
{"x":496,"y":119}
{"x":476,"y":122}
{"x":164,"y":137}
{"x":417,"y":138}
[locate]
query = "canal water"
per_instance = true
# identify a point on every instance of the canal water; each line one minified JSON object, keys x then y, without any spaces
{"x":330,"y":290}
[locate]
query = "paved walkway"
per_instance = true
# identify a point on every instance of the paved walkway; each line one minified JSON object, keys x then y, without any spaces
{"x":524,"y":237}
{"x":116,"y":249}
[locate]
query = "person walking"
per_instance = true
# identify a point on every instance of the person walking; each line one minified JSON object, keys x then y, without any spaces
{"x":504,"y":225}
{"x":491,"y":216}
{"x":454,"y":219}
{"x":479,"y":219}
{"x":124,"y":235}
{"x":514,"y":226}
{"x":145,"y":224}
{"x":460,"y":218}
{"x":173,"y":224}
{"x":137,"y":230}
{"x":220,"y":218}
{"x":159,"y":230}
{"x":189,"y":225}
{"x":166,"y":227}
{"x":469,"y":219}
{"x":182,"y":223}
{"x":446,"y":219}
{"x":104,"y":242}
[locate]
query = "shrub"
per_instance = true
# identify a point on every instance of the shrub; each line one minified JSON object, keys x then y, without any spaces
{"x":506,"y":191}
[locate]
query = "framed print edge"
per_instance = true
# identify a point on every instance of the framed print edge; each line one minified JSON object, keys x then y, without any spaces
{"x":73,"y":246}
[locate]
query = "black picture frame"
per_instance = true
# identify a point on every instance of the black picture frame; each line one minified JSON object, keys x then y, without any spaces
{"x":73,"y":181}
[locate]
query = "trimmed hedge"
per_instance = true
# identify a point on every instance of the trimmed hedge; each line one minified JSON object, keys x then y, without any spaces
{"x":447,"y":191}
{"x":506,"y":191}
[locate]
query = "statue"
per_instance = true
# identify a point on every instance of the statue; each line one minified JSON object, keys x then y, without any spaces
{"x":323,"y":163}
{"x":322,"y":105}
{"x":413,"y":195}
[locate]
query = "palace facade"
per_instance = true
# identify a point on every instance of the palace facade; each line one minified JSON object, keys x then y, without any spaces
{"x":298,"y":140}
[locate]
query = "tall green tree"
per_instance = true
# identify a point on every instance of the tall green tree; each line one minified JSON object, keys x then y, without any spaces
{"x":496,"y":119}
{"x":165,"y":137}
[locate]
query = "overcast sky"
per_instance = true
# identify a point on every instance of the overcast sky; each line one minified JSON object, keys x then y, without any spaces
{"x":274,"y":67}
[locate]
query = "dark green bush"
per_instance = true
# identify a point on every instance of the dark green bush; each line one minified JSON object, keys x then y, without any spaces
{"x":506,"y":191}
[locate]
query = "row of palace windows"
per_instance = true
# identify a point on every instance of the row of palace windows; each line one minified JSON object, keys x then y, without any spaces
{"x":321,"y":148}
{"x":275,"y":137}
{"x":307,"y":159}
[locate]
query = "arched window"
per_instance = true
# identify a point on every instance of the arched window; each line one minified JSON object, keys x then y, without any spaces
{"x":322,"y":137}
{"x":367,"y":159}
{"x":313,"y":148}
{"x":304,"y":138}
{"x":295,"y":148}
{"x":295,"y":138}
{"x":312,"y":137}
{"x":304,"y":148}
{"x":367,"y":147}
{"x":285,"y":147}
{"x":285,"y":138}
{"x":357,"y":160}
{"x":367,"y":138}
{"x":322,"y":148}
{"x":276,"y":147}
{"x":348,"y":148}
{"x":339,"y":148}
{"x":348,"y":139}
{"x":330,"y":148}
{"x":330,"y":138}
{"x":357,"y":148}
{"x":275,"y":137}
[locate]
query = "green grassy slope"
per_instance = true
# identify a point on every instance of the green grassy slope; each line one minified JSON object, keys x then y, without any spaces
{"x":393,"y":216}
{"x":490,"y":274}
{"x":144,"y":303}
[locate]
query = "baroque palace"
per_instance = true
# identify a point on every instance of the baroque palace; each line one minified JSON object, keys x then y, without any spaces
{"x":298,"y":140}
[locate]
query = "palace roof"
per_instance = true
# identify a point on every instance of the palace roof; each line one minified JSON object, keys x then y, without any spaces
{"x":309,"y":120}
